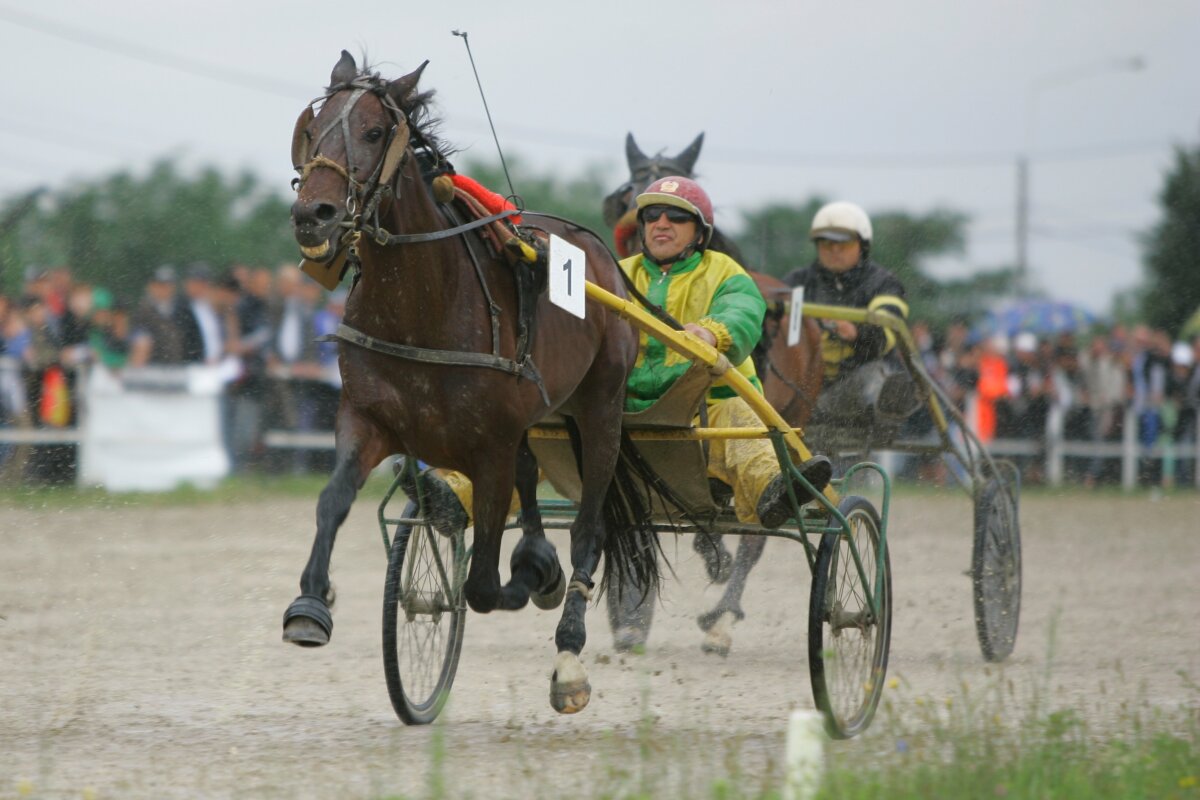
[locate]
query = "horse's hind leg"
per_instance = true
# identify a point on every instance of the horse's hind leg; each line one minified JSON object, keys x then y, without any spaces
{"x":630,"y":614}
{"x":308,"y":621}
{"x":718,"y":623}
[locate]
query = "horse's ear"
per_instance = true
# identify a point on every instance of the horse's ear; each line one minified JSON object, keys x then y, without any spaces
{"x":633,"y":154}
{"x":345,"y":71}
{"x":402,"y":87}
{"x":687,"y":157}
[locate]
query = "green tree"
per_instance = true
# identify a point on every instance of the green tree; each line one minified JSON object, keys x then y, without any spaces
{"x":115,"y":231}
{"x":1172,"y":248}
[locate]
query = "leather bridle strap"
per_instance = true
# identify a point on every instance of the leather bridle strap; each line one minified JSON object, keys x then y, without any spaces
{"x":381,"y":237}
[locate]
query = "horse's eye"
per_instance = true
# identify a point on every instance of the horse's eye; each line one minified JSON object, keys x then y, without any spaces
{"x":374,"y":135}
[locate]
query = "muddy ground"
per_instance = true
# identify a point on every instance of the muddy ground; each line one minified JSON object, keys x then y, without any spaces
{"x":140,"y":656}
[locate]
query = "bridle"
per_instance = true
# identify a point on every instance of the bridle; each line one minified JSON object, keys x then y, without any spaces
{"x":364,"y":202}
{"x":366,"y":199}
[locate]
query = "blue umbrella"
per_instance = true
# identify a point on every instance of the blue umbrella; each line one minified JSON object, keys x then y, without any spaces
{"x":1039,"y":317}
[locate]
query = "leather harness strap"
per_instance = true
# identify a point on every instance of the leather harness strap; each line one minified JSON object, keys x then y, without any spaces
{"x":455,"y":358}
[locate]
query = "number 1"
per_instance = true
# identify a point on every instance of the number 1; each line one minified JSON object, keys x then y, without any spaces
{"x":567,"y":269}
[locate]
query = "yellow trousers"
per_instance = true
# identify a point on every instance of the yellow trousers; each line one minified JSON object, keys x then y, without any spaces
{"x":747,"y":465}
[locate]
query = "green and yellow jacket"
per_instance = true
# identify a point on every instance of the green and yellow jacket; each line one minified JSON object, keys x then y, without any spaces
{"x":710,"y":289}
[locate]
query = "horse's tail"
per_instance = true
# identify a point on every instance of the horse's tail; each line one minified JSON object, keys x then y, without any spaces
{"x":631,"y":547}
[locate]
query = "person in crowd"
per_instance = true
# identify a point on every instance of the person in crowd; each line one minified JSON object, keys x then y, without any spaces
{"x":46,"y":395}
{"x":991,"y":364}
{"x":1070,"y":401}
{"x":1149,"y":368}
{"x":1187,"y":358}
{"x":296,"y":376}
{"x":249,"y":342}
{"x":715,"y":300}
{"x":109,"y":334}
{"x":201,"y":324}
{"x":157,"y":333}
{"x":1023,"y":411}
{"x":1107,"y":391}
{"x":13,"y":335}
{"x":862,"y":390}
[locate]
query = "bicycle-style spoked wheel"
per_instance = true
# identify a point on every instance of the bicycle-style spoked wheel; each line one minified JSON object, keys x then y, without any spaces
{"x":423,"y":617}
{"x":996,"y":568}
{"x":847,"y":641}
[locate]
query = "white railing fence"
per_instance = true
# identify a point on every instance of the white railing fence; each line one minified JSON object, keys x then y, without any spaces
{"x":155,"y":426}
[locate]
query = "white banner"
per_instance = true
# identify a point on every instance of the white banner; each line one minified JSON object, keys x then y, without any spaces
{"x":153,"y":430}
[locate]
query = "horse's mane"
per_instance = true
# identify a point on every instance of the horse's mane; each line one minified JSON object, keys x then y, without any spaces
{"x":417,"y":106}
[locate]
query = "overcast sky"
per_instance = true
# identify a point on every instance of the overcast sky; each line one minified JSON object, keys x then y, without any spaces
{"x":898,"y":106}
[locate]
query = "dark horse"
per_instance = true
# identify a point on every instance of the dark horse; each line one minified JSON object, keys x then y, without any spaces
{"x":791,"y":378}
{"x":431,"y":362}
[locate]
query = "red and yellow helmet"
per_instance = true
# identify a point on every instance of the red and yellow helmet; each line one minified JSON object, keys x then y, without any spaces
{"x":685,"y":193}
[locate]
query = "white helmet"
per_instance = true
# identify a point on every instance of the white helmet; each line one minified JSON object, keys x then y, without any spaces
{"x":841,"y":222}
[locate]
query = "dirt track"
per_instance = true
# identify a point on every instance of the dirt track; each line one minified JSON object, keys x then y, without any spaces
{"x":141,"y":656}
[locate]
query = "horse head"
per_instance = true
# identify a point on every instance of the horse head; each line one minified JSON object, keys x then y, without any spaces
{"x":349,"y":148}
{"x":619,"y":210}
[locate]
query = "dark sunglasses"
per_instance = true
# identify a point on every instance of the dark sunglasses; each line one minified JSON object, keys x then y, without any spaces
{"x":676,"y":215}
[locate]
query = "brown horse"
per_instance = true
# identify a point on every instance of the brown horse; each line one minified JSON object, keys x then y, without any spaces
{"x":431,"y":358}
{"x":791,"y":378}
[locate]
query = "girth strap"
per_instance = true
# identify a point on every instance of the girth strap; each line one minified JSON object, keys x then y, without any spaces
{"x":454,"y":358}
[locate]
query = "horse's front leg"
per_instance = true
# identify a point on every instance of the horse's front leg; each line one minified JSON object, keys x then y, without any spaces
{"x":570,"y":690}
{"x":492,"y":494}
{"x":308,"y":621}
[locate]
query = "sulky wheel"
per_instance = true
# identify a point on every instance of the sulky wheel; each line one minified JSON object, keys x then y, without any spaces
{"x":996,"y":568}
{"x":423,"y":617}
{"x":847,"y":641}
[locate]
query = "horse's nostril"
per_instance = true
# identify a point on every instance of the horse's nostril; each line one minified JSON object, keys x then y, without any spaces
{"x":325,"y":212}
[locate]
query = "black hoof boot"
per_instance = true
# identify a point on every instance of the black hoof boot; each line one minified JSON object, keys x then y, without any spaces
{"x":775,"y":508}
{"x":536,"y":553}
{"x":308,"y":622}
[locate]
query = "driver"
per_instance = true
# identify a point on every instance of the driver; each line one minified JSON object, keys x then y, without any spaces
{"x":861,"y":387}
{"x":711,"y":295}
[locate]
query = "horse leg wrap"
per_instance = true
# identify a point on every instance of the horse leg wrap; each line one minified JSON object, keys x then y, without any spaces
{"x":535,"y":560}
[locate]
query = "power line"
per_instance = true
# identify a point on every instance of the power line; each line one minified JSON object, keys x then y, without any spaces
{"x":149,"y":55}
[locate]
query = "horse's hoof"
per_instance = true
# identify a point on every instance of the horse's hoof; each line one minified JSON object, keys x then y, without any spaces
{"x":307,"y":622}
{"x":719,"y":639}
{"x":628,"y":639}
{"x":569,"y":687}
{"x":553,"y":598}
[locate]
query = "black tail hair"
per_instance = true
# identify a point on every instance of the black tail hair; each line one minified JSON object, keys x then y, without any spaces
{"x":631,"y":547}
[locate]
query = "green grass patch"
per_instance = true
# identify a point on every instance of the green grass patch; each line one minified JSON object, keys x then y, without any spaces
{"x":236,"y":489}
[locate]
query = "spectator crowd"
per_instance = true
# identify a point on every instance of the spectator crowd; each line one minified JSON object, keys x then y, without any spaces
{"x":261,"y":327}
{"x":1010,"y":387}
{"x":258,"y":326}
